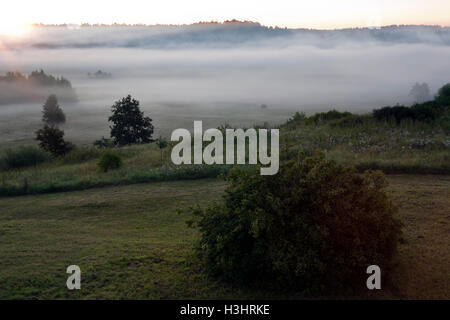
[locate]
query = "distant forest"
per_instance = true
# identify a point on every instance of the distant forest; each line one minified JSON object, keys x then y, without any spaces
{"x":221,"y":34}
{"x":16,"y":87}
{"x":37,"y":78}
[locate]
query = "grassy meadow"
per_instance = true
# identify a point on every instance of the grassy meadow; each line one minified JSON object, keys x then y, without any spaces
{"x":410,"y":147}
{"x":131,"y":243}
{"x":416,"y":148}
{"x":79,"y":171}
{"x":87,"y":179}
{"x":124,"y":230}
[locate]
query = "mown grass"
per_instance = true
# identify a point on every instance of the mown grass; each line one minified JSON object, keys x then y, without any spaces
{"x":424,"y":261}
{"x":131,"y":243}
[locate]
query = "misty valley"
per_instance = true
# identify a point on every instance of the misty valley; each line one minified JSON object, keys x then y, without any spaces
{"x":207,"y":72}
{"x":98,"y":176}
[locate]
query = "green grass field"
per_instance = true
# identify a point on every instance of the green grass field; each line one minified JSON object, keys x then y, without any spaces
{"x":123,"y":230}
{"x":416,"y":148}
{"x":131,"y":243}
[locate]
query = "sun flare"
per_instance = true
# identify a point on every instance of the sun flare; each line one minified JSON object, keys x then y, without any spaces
{"x":13,"y":29}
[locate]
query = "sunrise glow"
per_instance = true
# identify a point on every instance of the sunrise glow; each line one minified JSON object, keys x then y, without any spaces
{"x":322,"y":14}
{"x":13,"y":29}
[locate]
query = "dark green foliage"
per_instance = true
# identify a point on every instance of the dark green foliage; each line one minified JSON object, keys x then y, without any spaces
{"x":23,"y":157}
{"x":103,"y":143}
{"x":351,"y":121}
{"x":298,"y":116}
{"x":444,"y":92}
{"x":326,"y":116}
{"x":52,"y":113}
{"x":398,"y":113}
{"x":162,"y":144}
{"x":110,"y":161}
{"x":314,"y":226}
{"x":129,"y":124}
{"x":426,"y":112}
{"x":51,"y":139}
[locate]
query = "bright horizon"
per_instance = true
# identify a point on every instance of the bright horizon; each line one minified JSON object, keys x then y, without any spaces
{"x":319,"y":14}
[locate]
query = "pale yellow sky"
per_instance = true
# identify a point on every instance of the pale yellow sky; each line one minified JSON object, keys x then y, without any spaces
{"x":323,"y":14}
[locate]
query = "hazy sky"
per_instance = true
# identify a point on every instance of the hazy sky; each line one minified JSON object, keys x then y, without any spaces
{"x":324,"y":14}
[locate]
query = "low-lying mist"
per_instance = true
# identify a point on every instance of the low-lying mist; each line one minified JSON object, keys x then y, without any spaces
{"x":220,"y":84}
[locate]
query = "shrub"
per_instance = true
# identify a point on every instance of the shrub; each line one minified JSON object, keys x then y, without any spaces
{"x":429,"y":111}
{"x":110,"y":161}
{"x":51,"y":139}
{"x":326,"y":116}
{"x":103,"y":143}
{"x":297,"y":117}
{"x":315,"y":225}
{"x":162,"y":144}
{"x":398,"y":113}
{"x":351,"y":121}
{"x":444,"y":92}
{"x":23,"y":157}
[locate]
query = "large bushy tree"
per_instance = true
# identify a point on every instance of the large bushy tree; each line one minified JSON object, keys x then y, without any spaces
{"x":52,"y":114}
{"x":314,"y":226}
{"x":129,"y":125}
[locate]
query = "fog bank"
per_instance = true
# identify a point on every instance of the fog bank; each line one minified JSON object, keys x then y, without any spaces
{"x":215,"y":79}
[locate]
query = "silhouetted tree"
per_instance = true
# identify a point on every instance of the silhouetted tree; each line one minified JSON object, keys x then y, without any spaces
{"x":52,"y":114}
{"x":51,"y":139}
{"x":129,"y":124}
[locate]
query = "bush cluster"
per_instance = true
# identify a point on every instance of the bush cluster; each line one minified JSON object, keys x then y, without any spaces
{"x":110,"y":161}
{"x":427,"y":111}
{"x":326,"y":116}
{"x":23,"y":157}
{"x":315,"y":225}
{"x":103,"y":143}
{"x":351,"y":121}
